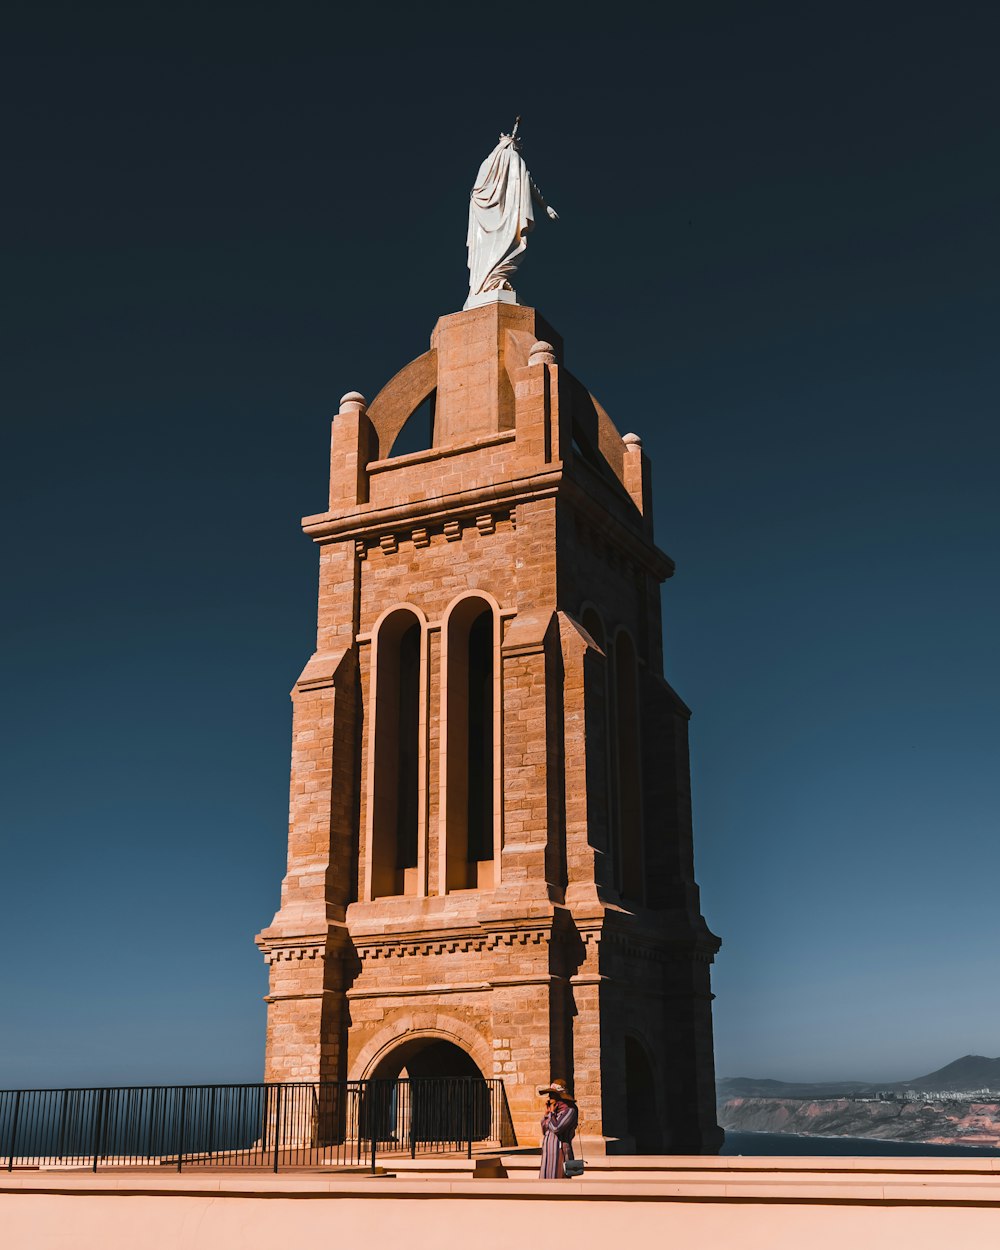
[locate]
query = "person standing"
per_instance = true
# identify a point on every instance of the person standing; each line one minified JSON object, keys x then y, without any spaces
{"x":558,"y":1129}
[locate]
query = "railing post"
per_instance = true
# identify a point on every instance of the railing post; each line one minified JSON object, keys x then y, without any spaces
{"x":98,"y":1125}
{"x":211,"y":1123}
{"x":277,"y":1126}
{"x":180,"y":1127}
{"x":62,"y":1124}
{"x":13,"y":1131}
{"x":150,"y":1122}
{"x":356,"y":1105}
{"x":468,"y":1113}
{"x":372,"y":1117}
{"x":413,"y":1135}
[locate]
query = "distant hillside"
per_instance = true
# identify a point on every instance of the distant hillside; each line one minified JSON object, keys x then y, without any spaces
{"x":753,"y":1087}
{"x":969,"y":1072}
{"x":943,"y":1121}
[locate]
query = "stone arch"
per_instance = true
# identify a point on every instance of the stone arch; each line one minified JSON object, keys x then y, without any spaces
{"x":400,"y":606}
{"x":395,"y":810}
{"x":458,"y":870}
{"x":401,"y":396}
{"x":594,"y":430}
{"x":471,"y":594}
{"x":590,"y":614}
{"x":436,"y":1026}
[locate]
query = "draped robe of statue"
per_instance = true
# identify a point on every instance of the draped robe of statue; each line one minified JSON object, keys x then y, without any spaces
{"x":500,"y":216}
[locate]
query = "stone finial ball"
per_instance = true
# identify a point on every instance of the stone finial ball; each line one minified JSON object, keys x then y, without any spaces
{"x":353,"y":399}
{"x":542,"y":353}
{"x":632,"y":441}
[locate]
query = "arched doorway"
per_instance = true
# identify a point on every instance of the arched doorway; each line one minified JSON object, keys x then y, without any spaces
{"x":418,"y":1058}
{"x":629,"y":769}
{"x":427,"y":1089}
{"x":640,"y":1100}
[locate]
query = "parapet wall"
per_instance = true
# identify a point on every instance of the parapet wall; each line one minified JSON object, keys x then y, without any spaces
{"x":780,"y":1204}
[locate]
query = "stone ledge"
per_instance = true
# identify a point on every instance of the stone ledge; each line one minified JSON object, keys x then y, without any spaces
{"x":440,"y":453}
{"x":620,"y":1179}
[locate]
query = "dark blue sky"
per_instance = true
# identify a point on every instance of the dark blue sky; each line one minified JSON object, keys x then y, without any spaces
{"x":777,"y":261}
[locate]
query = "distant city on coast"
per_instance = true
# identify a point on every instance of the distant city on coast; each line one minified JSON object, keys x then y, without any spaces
{"x":953,"y":1109}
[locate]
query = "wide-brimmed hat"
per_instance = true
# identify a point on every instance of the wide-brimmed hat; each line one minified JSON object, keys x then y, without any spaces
{"x":559,"y":1089}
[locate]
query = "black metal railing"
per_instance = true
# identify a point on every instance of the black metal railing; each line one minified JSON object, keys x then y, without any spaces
{"x":302,"y":1124}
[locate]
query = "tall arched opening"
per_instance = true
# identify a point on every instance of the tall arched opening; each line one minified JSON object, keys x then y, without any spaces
{"x":643,"y":1124}
{"x":592,"y":623}
{"x":471,"y":741}
{"x":396,"y":756}
{"x":629,"y":779}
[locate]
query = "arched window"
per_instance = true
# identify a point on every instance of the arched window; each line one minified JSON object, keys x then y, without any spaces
{"x":470,"y":737}
{"x":395,"y":790}
{"x":629,"y":770}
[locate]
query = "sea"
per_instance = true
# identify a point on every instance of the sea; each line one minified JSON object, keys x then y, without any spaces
{"x":739,"y":1143}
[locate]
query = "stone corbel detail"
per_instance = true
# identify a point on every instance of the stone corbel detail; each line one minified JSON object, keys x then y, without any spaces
{"x":459,"y":944}
{"x":520,"y":937}
{"x":389,"y":542}
{"x":277,"y":954}
{"x":668,"y":950}
{"x":397,"y":950}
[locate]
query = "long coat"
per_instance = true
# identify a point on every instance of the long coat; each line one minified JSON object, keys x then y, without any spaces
{"x":559,"y":1128}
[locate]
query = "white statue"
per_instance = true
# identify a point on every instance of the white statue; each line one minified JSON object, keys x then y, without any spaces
{"x":500,"y":216}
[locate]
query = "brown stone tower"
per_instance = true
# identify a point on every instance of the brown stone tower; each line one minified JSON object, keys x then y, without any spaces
{"x":489,"y":861}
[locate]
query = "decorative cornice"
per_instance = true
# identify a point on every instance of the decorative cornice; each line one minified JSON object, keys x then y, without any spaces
{"x":389,"y":542}
{"x":277,"y":947}
{"x":397,"y":946}
{"x":663,"y":950}
{"x":646,"y":947}
{"x":463,"y":506}
{"x":617,"y":548}
{"x":279,"y":954}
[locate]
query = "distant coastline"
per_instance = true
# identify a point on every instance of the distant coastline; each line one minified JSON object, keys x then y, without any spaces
{"x":944,"y":1122}
{"x":957,"y":1106}
{"x":759,"y":1144}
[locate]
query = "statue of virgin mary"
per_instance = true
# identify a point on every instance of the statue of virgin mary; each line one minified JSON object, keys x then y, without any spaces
{"x":500,"y":216}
